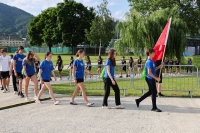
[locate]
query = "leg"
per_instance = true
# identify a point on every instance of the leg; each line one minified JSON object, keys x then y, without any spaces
{"x":152,"y":85}
{"x":48,"y":85}
{"x":117,"y":93}
{"x":77,"y":89}
{"x":8,"y":81}
{"x":159,"y":87}
{"x":82,"y":87}
{"x":35,"y":81}
{"x":20,"y":84}
{"x":14,"y":81}
{"x":27,"y":80}
{"x":107,"y":84}
{"x":4,"y":83}
{"x":41,"y":91}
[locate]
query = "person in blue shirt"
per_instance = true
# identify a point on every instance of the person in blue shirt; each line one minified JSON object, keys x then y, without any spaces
{"x":46,"y":68}
{"x":78,"y":73}
{"x":151,"y":80}
{"x":189,"y":67}
{"x":29,"y":73}
{"x":109,"y":81}
{"x":17,"y":66}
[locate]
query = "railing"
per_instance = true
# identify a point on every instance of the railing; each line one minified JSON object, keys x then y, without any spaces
{"x":184,"y":80}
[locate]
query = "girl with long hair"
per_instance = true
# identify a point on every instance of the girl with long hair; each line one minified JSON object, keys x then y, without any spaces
{"x":100,"y":62}
{"x":139,"y":65}
{"x":29,"y":73}
{"x":88,"y":67}
{"x":70,"y":66}
{"x":109,"y":80}
{"x":46,"y":68}
{"x":60,"y":66}
{"x":131,"y":65}
{"x":78,"y":73}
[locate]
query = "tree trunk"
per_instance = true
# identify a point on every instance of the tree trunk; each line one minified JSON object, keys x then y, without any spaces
{"x":49,"y":48}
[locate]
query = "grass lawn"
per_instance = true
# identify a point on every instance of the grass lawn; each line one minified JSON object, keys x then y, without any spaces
{"x":171,"y":84}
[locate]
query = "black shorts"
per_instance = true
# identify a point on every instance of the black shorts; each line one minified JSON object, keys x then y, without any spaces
{"x":166,"y":67}
{"x":99,"y":66}
{"x":89,"y":68}
{"x":157,"y":74}
{"x":177,"y":67}
{"x":124,"y":68}
{"x":60,"y":69}
{"x":5,"y":75}
{"x":80,"y":80}
{"x":46,"y":80}
{"x":170,"y":67}
{"x":19,"y":75}
{"x":29,"y":75}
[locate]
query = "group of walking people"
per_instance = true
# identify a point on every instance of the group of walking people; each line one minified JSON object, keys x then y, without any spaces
{"x":26,"y":67}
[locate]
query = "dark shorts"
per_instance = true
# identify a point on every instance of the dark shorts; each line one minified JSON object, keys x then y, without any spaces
{"x":124,"y":68}
{"x":5,"y":75}
{"x":177,"y":67}
{"x":170,"y":67}
{"x":166,"y":67}
{"x":19,"y":75}
{"x":60,"y":69}
{"x":80,"y":80}
{"x":29,"y":75}
{"x":157,"y":74}
{"x":99,"y":66}
{"x":89,"y":68}
{"x":46,"y":80}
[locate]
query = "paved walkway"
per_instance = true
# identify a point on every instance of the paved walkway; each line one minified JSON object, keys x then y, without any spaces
{"x":181,"y":115}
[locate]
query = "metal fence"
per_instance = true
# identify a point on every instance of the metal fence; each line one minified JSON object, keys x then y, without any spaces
{"x":182,"y":78}
{"x":96,"y":83}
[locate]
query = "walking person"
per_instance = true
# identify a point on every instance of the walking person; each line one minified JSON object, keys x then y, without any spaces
{"x":123,"y":67}
{"x":78,"y":73}
{"x":166,"y":61}
{"x":139,"y":65}
{"x":88,"y":67}
{"x":189,"y":67}
{"x":131,"y":66}
{"x":46,"y":69}
{"x":30,"y":74}
{"x":17,"y":65}
{"x":171,"y":63}
{"x":59,"y":63}
{"x":0,"y":74}
{"x":100,"y":62}
{"x":70,"y":66}
{"x":5,"y":70}
{"x":177,"y":62}
{"x":14,"y":79}
{"x":151,"y":80}
{"x":109,"y":81}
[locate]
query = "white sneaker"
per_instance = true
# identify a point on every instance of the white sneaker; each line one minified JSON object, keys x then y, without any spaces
{"x":105,"y":107}
{"x":119,"y":107}
{"x":38,"y":101}
{"x":7,"y":89}
{"x":15,"y":92}
{"x":27,"y":99}
{"x":57,"y":102}
{"x":4,"y":91}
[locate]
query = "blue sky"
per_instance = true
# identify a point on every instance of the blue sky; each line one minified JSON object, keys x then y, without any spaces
{"x":117,"y":7}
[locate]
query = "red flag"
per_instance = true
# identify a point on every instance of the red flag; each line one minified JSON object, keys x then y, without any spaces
{"x":161,"y":43}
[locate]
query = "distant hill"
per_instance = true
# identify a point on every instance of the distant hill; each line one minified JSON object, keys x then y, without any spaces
{"x":13,"y":21}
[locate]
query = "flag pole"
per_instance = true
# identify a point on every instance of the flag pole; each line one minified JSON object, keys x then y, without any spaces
{"x":170,"y":20}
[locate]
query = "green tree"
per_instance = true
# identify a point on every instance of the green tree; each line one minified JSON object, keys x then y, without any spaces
{"x":189,"y":10}
{"x":102,"y":29}
{"x":73,"y":19}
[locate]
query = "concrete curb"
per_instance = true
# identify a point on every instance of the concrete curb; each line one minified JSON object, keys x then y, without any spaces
{"x":21,"y":103}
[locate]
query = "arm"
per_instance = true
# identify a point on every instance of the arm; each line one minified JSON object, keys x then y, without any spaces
{"x":11,"y":68}
{"x":37,"y":57}
{"x":151,"y":74}
{"x":73,"y":72}
{"x":52,"y":72}
{"x":108,"y":71}
{"x":24,"y":68}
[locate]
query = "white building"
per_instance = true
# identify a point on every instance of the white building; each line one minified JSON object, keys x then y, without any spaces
{"x":12,"y":41}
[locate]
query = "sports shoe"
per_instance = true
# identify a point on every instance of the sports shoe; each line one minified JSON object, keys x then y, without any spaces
{"x":119,"y":107}
{"x":57,"y":102}
{"x":4,"y":91}
{"x":27,"y":99}
{"x":8,"y":90}
{"x":19,"y":93}
{"x":38,"y":101}
{"x":73,"y":103}
{"x":105,"y":107}
{"x":137,"y":103}
{"x":120,"y":76}
{"x":35,"y":97}
{"x":1,"y":87}
{"x":161,"y":95}
{"x":22,"y":95}
{"x":156,"y":110}
{"x":126,"y":75}
{"x":90,"y":104}
{"x":15,"y":92}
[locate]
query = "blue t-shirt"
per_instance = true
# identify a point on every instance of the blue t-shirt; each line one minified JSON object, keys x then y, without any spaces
{"x":30,"y":70}
{"x":79,"y":73}
{"x":19,"y":58}
{"x":46,"y":67}
{"x":112,"y":69}
{"x":150,"y":64}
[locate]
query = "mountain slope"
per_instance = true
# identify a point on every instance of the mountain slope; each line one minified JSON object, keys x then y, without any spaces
{"x":13,"y":21}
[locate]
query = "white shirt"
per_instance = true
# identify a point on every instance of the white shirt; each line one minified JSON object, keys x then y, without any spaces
{"x":4,"y":63}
